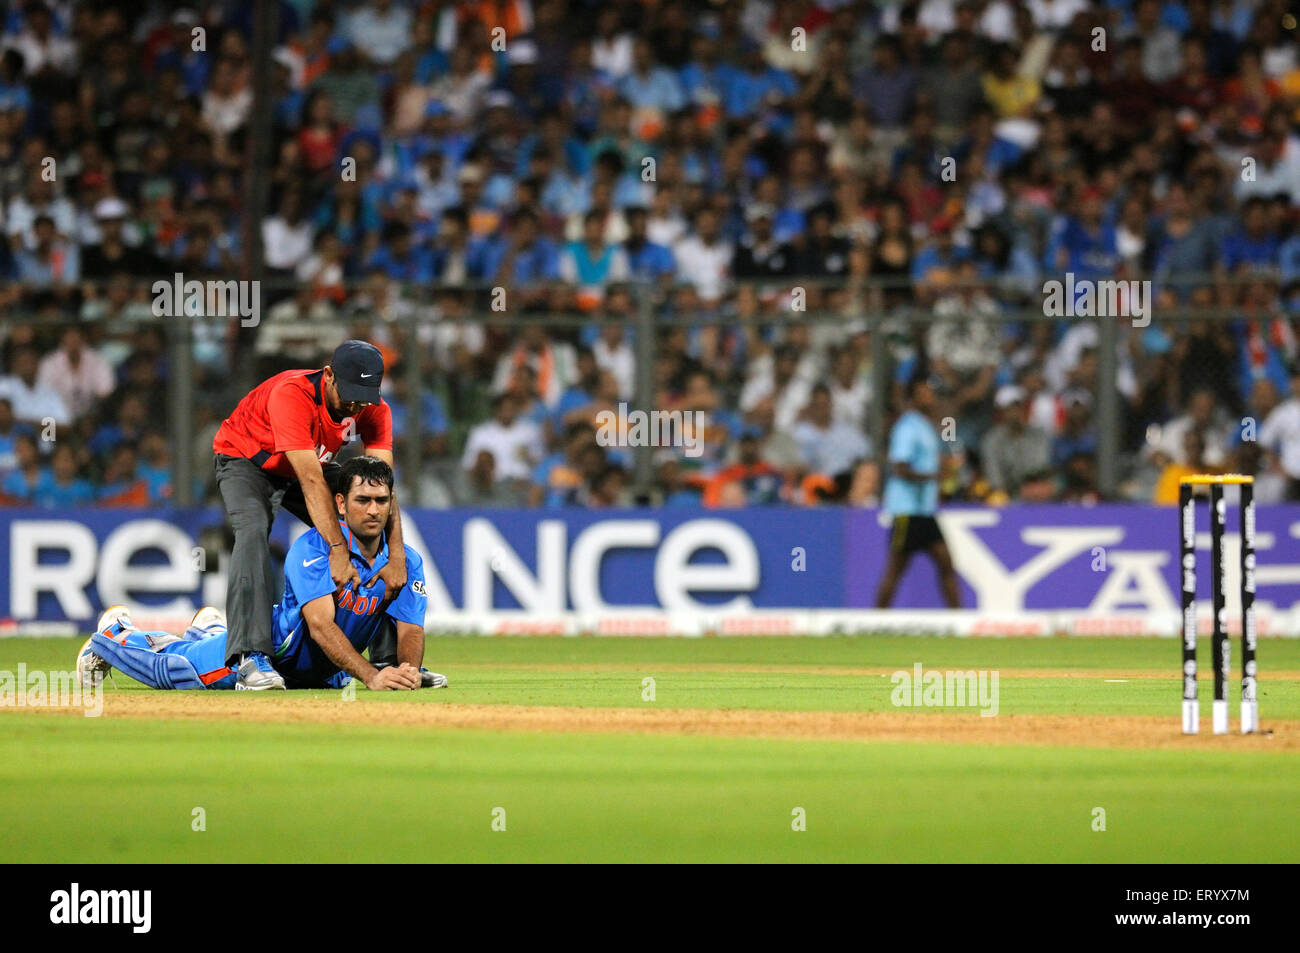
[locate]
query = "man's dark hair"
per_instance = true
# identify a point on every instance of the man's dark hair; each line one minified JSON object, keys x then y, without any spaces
{"x":611,"y":159}
{"x":396,"y":232}
{"x":572,"y":431}
{"x":914,"y":382}
{"x":369,"y":469}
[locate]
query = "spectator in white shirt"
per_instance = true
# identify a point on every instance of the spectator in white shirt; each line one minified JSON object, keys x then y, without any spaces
{"x":613,"y":355}
{"x":850,"y":390}
{"x":825,"y":446}
{"x":228,"y":101}
{"x":704,"y":258}
{"x":41,"y":48}
{"x":77,"y":373}
{"x":287,"y":236}
{"x":513,"y":443}
{"x":1203,"y":415}
{"x":778,"y":392}
{"x":1055,"y":14}
{"x":382,"y":31}
{"x":1279,"y":435}
{"x":31,"y":402}
{"x":964,"y":335}
{"x":936,"y":17}
{"x":555,"y":364}
{"x":33,"y":202}
{"x":462,"y":90}
{"x":665,"y":226}
{"x":611,"y":49}
{"x":998,"y":22}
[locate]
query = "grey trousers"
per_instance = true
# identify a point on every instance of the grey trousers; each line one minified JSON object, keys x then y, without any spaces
{"x":252,"y":498}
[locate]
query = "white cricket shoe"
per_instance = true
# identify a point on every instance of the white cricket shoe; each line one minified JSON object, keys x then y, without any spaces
{"x":90,"y":665}
{"x":206,"y":617}
{"x":114,"y":614}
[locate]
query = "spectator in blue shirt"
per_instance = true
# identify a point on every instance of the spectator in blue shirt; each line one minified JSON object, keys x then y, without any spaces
{"x":941,"y":253}
{"x":60,"y":486}
{"x":179,"y":54}
{"x":155,"y":467}
{"x":649,"y":86}
{"x":562,"y":192}
{"x":20,"y":483}
{"x":13,"y":91}
{"x":1253,"y":243}
{"x":646,"y":260}
{"x":749,"y":92}
{"x":400,"y":259}
{"x":888,"y":87}
{"x":998,"y":153}
{"x":126,"y":427}
{"x":1078,"y":435}
{"x":586,"y":87}
{"x":529,"y":257}
{"x":559,"y":479}
{"x":54,"y":262}
{"x":1186,"y":245}
{"x":10,"y":432}
{"x":1084,"y":244}
{"x":1265,"y":341}
{"x":1288,"y":259}
{"x":433,"y":416}
{"x":576,"y":403}
{"x":435,"y":186}
{"x":705,"y":80}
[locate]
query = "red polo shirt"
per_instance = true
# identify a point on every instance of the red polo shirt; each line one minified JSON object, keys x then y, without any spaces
{"x":288,"y":412}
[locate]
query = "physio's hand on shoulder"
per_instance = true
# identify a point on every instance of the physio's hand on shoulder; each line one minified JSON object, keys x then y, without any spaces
{"x":395,"y":678}
{"x":394,"y":577}
{"x":341,"y":569}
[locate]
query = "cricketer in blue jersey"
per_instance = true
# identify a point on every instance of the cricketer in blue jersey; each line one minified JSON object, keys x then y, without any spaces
{"x":318,"y":633}
{"x":912,"y":496}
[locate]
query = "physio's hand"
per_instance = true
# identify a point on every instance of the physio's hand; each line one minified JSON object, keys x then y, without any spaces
{"x":395,"y":678}
{"x":394,"y":577}
{"x":341,"y":569}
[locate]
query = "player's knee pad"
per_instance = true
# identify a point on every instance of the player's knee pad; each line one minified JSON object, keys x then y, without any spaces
{"x":141,"y":662}
{"x":181,"y":673}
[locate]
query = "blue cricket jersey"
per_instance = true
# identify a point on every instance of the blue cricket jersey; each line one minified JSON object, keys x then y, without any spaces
{"x":307,"y":576}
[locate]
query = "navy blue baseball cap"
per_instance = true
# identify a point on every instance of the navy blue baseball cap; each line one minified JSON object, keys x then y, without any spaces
{"x":358,"y":371}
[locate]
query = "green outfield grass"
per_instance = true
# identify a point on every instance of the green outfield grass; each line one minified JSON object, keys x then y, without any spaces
{"x":117,"y":789}
{"x":609,"y":672}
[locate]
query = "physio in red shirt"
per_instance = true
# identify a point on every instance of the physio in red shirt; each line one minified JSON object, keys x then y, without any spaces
{"x":274,"y":451}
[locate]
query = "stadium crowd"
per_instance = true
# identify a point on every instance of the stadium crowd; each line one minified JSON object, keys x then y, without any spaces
{"x":766,"y":178}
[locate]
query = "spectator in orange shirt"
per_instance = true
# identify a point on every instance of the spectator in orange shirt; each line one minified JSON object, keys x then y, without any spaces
{"x":760,"y":481}
{"x":123,"y":486}
{"x":1166,"y":492}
